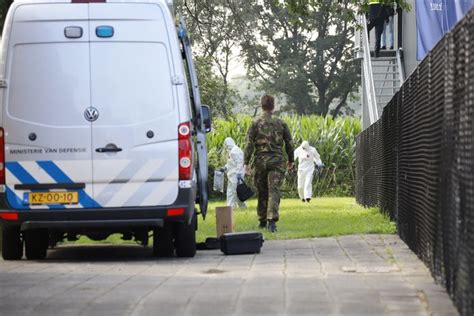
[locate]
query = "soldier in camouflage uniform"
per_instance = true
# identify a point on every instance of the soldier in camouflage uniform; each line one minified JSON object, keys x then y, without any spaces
{"x":265,"y":139}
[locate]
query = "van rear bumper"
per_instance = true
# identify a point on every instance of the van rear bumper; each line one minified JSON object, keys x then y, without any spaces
{"x":114,"y":218}
{"x":119,"y":224}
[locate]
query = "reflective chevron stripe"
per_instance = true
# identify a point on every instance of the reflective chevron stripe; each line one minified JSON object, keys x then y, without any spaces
{"x":25,"y":173}
{"x":139,"y":182}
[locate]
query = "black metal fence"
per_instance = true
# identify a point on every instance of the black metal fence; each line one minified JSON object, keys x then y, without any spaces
{"x":417,"y":163}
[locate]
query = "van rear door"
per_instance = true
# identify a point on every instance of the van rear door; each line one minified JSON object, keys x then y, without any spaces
{"x":201,"y":147}
{"x":134,"y":139}
{"x":48,"y":139}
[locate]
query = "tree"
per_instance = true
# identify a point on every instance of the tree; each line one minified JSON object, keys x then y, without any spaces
{"x":211,"y":87}
{"x":307,"y":57}
{"x":303,"y":6}
{"x":215,"y":30}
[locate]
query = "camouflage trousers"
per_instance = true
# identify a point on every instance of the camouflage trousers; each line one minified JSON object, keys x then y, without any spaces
{"x":268,"y":180}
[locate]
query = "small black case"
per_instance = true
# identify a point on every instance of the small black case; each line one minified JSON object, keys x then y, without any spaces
{"x":244,"y":192}
{"x":241,"y":243}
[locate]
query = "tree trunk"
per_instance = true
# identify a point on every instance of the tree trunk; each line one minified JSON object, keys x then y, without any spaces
{"x":340,"y":105}
{"x":322,"y":106}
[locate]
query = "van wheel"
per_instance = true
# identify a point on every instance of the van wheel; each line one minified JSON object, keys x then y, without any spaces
{"x":36,"y":243}
{"x":12,"y":244}
{"x":185,"y":238}
{"x":163,"y":241}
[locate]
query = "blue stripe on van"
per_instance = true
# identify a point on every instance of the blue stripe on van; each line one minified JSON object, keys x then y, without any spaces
{"x":25,"y":178}
{"x":14,"y":200}
{"x":20,"y":173}
{"x":60,"y":177}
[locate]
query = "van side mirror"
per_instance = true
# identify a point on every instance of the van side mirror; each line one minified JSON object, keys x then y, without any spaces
{"x":206,"y":118}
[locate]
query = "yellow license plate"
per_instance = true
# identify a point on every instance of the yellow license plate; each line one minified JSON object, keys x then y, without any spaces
{"x":66,"y":197}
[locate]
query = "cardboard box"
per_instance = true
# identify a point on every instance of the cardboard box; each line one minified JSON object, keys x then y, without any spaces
{"x":224,"y":220}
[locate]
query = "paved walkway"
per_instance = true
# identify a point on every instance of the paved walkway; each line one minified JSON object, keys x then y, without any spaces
{"x":350,"y":275}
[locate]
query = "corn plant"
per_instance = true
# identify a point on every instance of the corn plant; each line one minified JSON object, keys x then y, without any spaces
{"x":334,"y":138}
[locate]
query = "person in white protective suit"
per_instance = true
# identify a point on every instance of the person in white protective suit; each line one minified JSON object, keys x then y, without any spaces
{"x":234,"y":169}
{"x":307,"y":157}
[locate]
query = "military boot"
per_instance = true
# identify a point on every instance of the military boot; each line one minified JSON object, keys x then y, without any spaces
{"x":262,"y":224}
{"x":272,"y":227}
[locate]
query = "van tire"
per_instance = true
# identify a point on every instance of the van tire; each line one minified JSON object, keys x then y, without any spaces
{"x":36,"y":243}
{"x":163,"y":241}
{"x":12,"y":244}
{"x":185,"y":238}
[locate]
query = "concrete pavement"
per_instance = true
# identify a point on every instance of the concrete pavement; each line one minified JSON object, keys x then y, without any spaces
{"x":349,"y":275}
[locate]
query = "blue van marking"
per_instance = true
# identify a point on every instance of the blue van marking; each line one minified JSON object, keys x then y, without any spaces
{"x":20,"y":173}
{"x":60,"y":177}
{"x":14,"y":200}
{"x":54,"y":172}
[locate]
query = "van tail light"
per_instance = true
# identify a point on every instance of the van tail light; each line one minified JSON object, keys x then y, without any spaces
{"x":185,"y":149}
{"x":2,"y":156}
{"x":175,"y":212}
{"x":9,"y":216}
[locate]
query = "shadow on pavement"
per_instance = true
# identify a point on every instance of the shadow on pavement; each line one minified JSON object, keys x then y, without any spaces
{"x":101,"y":253}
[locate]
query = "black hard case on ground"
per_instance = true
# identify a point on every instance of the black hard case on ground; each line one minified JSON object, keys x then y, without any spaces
{"x":241,"y":243}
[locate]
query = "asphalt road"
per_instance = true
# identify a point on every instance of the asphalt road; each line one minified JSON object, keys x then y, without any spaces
{"x":350,"y":275}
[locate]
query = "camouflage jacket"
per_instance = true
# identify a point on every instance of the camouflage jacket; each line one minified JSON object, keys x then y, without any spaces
{"x":265,"y":139}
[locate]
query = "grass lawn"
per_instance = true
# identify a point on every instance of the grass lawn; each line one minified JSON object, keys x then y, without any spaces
{"x":322,"y":217}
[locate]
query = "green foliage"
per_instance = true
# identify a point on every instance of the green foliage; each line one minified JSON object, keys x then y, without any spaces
{"x":213,"y":90}
{"x":334,"y":138}
{"x":215,"y":30}
{"x":308,"y":56}
{"x":301,"y":7}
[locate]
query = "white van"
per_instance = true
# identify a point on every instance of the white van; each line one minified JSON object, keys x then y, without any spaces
{"x":101,"y":132}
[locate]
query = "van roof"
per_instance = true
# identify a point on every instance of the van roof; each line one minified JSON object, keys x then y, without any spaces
{"x":167,"y":2}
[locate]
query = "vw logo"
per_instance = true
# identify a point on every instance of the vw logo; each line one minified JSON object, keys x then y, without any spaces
{"x":91,"y":114}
